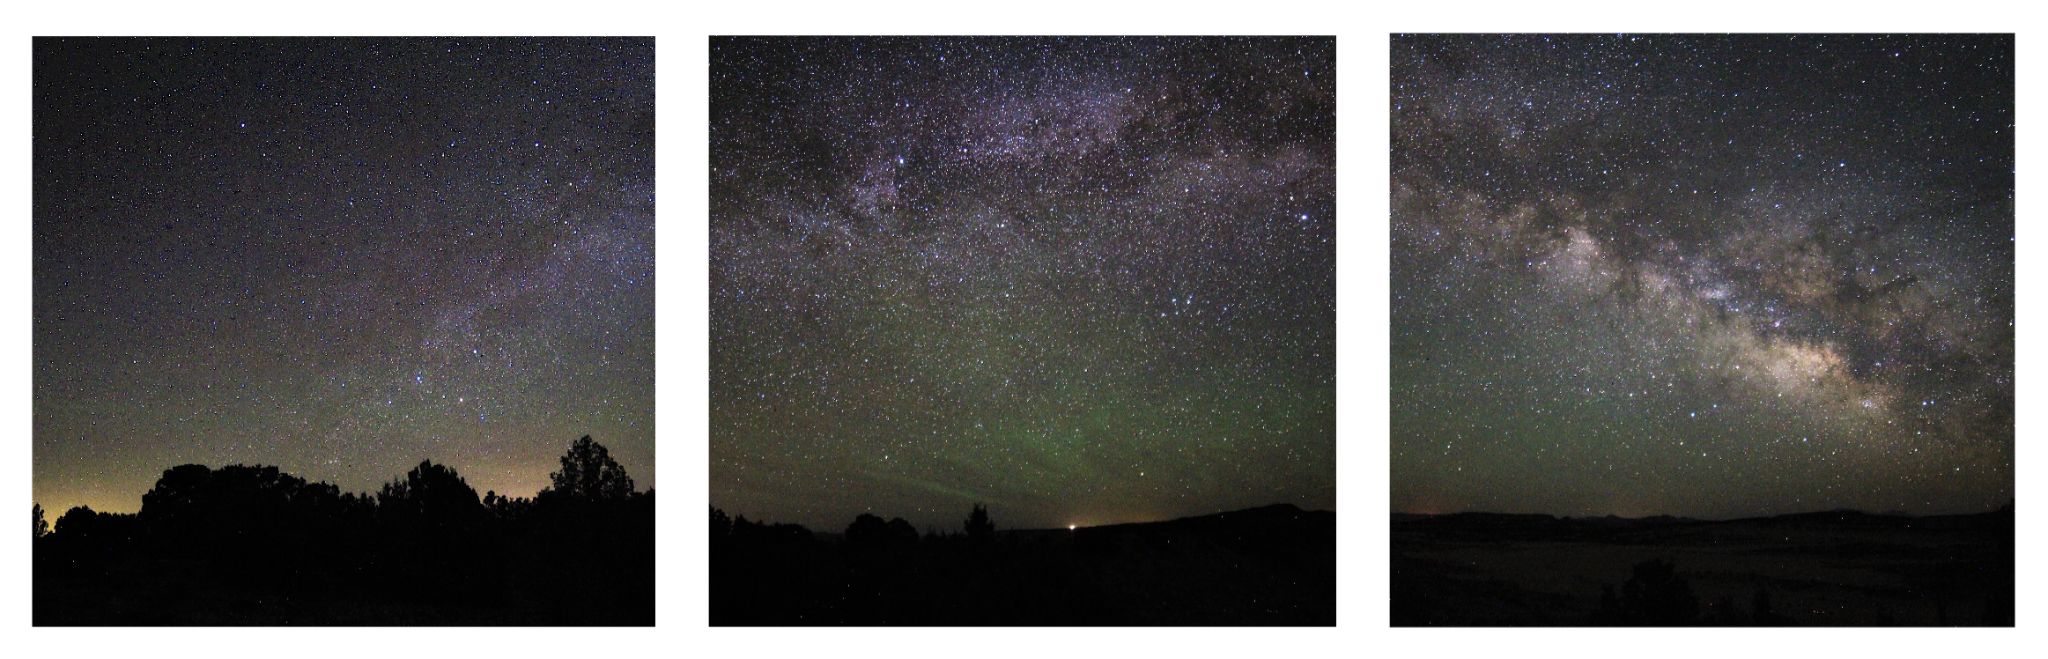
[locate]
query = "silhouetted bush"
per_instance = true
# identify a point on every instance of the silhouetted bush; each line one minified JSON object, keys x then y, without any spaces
{"x":1656,"y":596}
{"x":870,"y":531}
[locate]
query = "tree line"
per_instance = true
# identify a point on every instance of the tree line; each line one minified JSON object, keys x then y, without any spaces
{"x":866,"y":529}
{"x":254,"y":544}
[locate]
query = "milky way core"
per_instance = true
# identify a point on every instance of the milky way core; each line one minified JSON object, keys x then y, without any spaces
{"x":1707,"y":276}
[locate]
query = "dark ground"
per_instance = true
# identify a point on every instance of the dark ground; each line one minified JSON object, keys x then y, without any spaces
{"x":552,"y":576}
{"x":255,"y":546}
{"x":1264,"y":566}
{"x":1819,"y":569}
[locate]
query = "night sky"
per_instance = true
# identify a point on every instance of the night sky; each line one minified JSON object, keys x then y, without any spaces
{"x":340,"y":257}
{"x":1703,"y":275}
{"x":1080,"y":280}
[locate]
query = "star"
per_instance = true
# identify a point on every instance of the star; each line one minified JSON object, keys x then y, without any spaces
{"x":1581,"y":214}
{"x":1092,"y":265}
{"x":219,"y":294}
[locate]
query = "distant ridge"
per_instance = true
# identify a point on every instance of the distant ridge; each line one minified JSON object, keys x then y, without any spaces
{"x":1837,"y":514}
{"x":1279,"y":512}
{"x":1279,"y":532}
{"x":1497,"y":526}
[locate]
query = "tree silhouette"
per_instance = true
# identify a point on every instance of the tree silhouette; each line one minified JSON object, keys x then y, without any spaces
{"x":589,"y":473}
{"x":423,"y":547}
{"x":900,"y":531}
{"x":432,"y":493}
{"x":41,"y":526}
{"x":749,"y":532}
{"x":79,"y":521}
{"x":869,"y":530}
{"x":505,"y":507}
{"x":979,"y":526}
{"x":177,"y":491}
{"x":866,"y":529}
{"x":238,"y":500}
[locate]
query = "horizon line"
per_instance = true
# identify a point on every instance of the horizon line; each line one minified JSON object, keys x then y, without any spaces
{"x":1844,"y":509}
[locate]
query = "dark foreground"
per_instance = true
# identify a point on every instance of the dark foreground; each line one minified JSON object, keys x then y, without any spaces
{"x":1819,"y":569}
{"x":569,"y":568}
{"x":1264,"y":566}
{"x":256,"y":546}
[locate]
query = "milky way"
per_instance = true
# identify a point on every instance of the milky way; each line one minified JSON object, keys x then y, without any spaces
{"x":1709,"y":276}
{"x":340,"y":257}
{"x":1080,"y":280}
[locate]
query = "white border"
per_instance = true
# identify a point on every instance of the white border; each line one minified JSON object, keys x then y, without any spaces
{"x":682,"y":27}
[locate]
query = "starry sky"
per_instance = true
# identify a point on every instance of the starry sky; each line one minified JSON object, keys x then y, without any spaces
{"x":340,"y":257}
{"x":1082,"y":281}
{"x":1713,"y":276}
